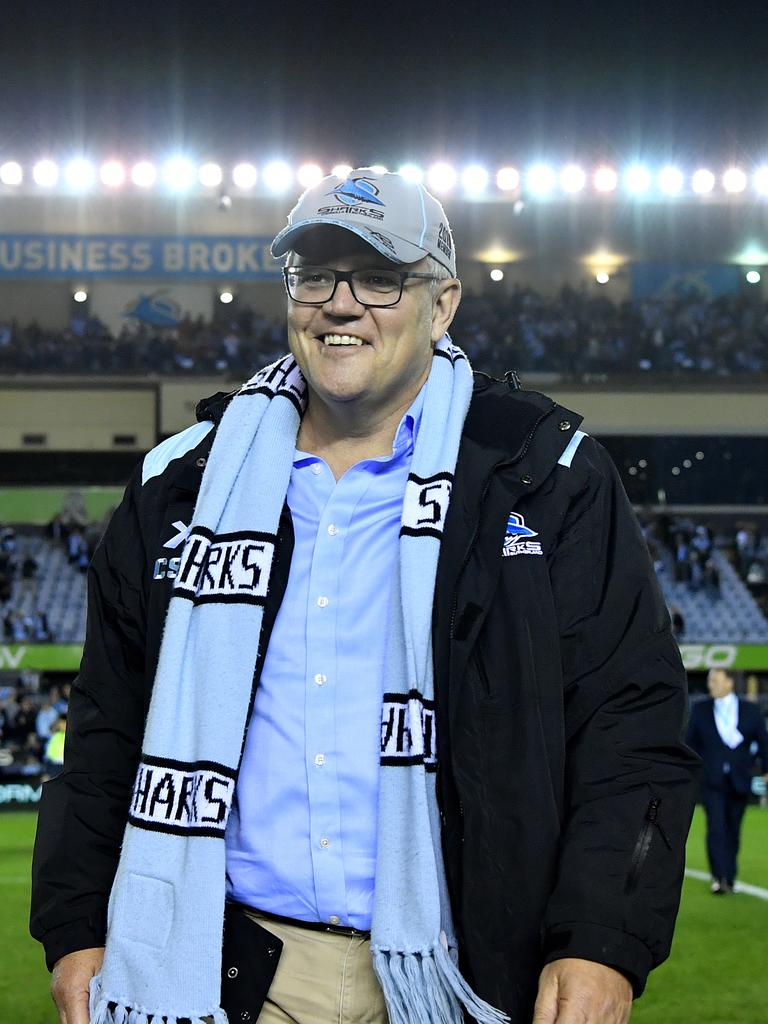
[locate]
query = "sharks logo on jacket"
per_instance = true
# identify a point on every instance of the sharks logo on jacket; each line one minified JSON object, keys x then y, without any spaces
{"x":518,"y":539}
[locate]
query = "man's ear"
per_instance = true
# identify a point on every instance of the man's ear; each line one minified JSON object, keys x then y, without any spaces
{"x":444,"y":307}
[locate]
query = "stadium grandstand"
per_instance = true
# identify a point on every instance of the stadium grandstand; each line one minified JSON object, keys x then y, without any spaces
{"x":633,"y":294}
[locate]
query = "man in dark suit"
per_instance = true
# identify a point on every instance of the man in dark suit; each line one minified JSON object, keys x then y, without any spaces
{"x":725,"y":731}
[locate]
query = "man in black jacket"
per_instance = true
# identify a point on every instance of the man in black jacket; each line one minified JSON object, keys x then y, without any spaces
{"x":565,"y":792}
{"x":726,"y":731}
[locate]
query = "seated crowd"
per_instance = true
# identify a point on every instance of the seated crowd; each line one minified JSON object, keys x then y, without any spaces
{"x":576,"y":333}
{"x":33,"y":722}
{"x":682,"y":548}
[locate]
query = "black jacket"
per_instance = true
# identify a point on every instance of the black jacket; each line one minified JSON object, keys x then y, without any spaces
{"x":705,"y":739}
{"x":565,"y":790}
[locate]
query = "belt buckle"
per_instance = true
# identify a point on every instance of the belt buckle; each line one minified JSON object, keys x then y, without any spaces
{"x":340,"y":929}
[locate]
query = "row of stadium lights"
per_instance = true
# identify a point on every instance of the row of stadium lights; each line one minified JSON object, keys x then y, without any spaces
{"x":603,"y":277}
{"x":180,"y":175}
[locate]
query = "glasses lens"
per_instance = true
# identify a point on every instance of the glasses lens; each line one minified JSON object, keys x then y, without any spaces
{"x":310,"y":284}
{"x":377,"y":287}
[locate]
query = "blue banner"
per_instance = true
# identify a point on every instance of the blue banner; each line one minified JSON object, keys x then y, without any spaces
{"x":659,"y":280}
{"x":154,"y":257}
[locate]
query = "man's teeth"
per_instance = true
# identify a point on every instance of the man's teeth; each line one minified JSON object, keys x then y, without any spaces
{"x":342,"y":339}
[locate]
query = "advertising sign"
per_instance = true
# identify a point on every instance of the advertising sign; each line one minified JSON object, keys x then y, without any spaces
{"x":151,"y":257}
{"x":660,"y":280}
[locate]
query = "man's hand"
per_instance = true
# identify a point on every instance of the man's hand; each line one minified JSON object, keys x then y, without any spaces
{"x":573,"y":991}
{"x":69,"y":984}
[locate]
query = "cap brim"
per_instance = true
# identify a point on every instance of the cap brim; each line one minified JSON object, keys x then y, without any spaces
{"x":403,"y":252}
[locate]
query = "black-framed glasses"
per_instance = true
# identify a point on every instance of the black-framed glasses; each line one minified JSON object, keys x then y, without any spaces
{"x":314,"y":286}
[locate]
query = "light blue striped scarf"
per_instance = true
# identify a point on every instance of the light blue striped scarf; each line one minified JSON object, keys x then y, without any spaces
{"x":164,"y":938}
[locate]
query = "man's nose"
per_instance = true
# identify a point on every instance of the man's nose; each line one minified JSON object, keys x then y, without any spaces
{"x":343,"y":301}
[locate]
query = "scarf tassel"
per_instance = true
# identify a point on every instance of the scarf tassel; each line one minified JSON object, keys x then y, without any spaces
{"x":105,"y":1011}
{"x":427,"y":988}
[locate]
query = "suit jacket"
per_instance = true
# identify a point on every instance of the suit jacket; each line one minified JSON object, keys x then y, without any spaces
{"x":705,"y":739}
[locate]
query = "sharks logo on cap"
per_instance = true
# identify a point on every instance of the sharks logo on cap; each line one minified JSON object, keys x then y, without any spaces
{"x":518,"y":539}
{"x":357,"y":190}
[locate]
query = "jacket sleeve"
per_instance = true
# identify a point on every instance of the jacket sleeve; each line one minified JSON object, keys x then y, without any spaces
{"x":629,"y":779}
{"x":83,"y":811}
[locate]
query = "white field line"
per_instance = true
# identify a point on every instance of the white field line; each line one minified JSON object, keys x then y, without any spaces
{"x":750,"y":890}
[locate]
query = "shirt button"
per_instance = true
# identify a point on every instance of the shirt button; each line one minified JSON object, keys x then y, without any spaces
{"x":320,"y":679}
{"x":333,"y":919}
{"x":317,"y":469}
{"x":333,"y":530}
{"x":325,"y":843}
{"x":319,"y":760}
{"x":322,"y":602}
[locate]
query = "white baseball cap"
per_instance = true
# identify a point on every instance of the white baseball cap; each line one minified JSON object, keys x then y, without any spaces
{"x":399,"y":218}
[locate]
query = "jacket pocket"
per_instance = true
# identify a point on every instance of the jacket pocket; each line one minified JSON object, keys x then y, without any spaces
{"x":483,"y":680}
{"x":651,"y":825}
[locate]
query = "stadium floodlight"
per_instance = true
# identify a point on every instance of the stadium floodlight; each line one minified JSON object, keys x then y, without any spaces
{"x":703,"y":181}
{"x":734,"y":180}
{"x":79,"y":174}
{"x":637,"y":179}
{"x":45,"y":173}
{"x":112,"y":173}
{"x":81,"y":295}
{"x":760,"y":180}
{"x":144,"y":174}
{"x":277,"y":176}
{"x":226,"y":297}
{"x":309,"y":175}
{"x":572,"y":179}
{"x":441,"y":177}
{"x":341,"y":170}
{"x":508,"y":179}
{"x":411,"y":173}
{"x":540,"y":179}
{"x":670,"y":180}
{"x":602,"y":277}
{"x":753,"y":277}
{"x":244,"y":175}
{"x":11,"y":173}
{"x":178,"y":174}
{"x":497,"y":274}
{"x":474,"y":179}
{"x":210,"y":175}
{"x":605,"y":179}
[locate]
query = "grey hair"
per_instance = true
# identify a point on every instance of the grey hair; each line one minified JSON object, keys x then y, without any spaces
{"x":440,"y":273}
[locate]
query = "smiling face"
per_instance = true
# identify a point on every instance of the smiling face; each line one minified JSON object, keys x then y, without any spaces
{"x":393,"y":361}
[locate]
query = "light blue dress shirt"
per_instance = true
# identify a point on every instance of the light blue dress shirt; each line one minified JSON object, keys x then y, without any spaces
{"x":301,"y":838}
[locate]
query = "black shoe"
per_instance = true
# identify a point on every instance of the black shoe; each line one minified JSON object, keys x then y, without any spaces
{"x":726,"y":886}
{"x":716,"y":888}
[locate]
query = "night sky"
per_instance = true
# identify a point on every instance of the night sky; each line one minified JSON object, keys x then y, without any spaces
{"x":385,"y":82}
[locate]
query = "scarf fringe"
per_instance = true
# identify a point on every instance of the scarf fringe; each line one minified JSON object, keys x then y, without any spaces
{"x":106,"y":1011}
{"x":427,"y":988}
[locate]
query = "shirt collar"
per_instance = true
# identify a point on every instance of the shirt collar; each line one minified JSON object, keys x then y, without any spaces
{"x":408,"y":428}
{"x":726,"y":701}
{"x":405,"y":435}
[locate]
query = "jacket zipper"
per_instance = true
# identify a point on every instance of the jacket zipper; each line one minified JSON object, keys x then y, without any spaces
{"x":643,"y":844}
{"x":486,"y":487}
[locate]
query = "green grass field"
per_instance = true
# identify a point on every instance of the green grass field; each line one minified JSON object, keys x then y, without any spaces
{"x":716,"y":974}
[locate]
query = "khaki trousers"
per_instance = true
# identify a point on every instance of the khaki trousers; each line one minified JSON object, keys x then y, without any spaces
{"x":321,"y":978}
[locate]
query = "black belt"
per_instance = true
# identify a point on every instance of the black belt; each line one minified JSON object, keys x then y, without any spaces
{"x":313,"y":926}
